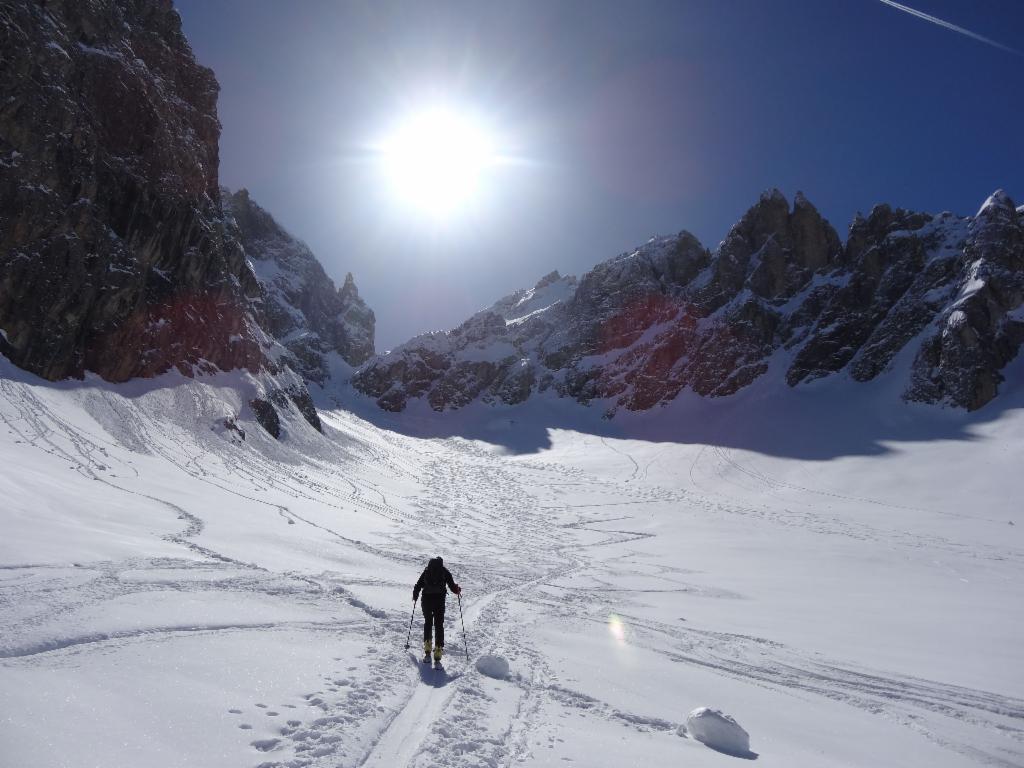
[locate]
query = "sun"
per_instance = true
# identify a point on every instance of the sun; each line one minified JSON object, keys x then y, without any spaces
{"x":435,"y":160}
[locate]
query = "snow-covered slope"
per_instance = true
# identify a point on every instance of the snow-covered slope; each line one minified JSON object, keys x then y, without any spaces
{"x":780,"y":292}
{"x":179,"y":589}
{"x":550,"y":291}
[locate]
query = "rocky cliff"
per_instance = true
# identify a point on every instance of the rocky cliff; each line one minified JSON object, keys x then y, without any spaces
{"x":781,"y":293}
{"x":298,"y":303}
{"x":116,"y":255}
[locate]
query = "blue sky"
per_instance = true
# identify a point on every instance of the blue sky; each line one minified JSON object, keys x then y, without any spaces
{"x":630,"y":119}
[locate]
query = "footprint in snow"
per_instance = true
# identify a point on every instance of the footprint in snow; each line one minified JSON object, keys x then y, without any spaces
{"x":235,"y":711}
{"x":245,"y":727}
{"x":265,"y":745}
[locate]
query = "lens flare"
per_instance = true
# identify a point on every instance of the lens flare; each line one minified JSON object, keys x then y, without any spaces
{"x":617,"y":629}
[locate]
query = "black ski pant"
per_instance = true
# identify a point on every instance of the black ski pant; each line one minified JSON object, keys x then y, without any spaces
{"x":433,"y":615}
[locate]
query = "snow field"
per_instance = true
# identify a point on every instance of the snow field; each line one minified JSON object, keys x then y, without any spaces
{"x":172,"y":598}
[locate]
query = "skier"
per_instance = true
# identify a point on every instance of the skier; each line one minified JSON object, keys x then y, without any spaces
{"x":433,"y":582}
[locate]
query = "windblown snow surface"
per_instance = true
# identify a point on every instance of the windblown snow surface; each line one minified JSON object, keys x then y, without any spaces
{"x":839,"y":571}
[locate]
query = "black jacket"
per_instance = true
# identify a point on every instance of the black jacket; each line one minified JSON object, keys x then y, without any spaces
{"x":434,"y":579}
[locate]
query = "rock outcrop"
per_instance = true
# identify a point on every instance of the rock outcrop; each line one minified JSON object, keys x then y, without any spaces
{"x":781,"y":292}
{"x":979,"y":325}
{"x":298,"y":304}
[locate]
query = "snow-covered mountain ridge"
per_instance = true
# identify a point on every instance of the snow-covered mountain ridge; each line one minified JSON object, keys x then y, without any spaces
{"x":781,"y":292}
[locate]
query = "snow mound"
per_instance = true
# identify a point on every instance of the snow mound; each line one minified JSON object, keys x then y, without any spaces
{"x":718,"y":731}
{"x":493,"y":666}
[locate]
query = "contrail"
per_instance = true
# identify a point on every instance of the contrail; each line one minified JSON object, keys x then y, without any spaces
{"x":950,"y":26}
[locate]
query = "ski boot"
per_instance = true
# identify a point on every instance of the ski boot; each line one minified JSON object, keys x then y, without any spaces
{"x":437,"y":655}
{"x":426,"y":651}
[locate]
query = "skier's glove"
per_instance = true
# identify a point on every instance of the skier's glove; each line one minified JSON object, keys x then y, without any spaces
{"x":457,"y":590}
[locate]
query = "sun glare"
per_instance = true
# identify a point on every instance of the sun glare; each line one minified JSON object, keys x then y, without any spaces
{"x":435,"y":160}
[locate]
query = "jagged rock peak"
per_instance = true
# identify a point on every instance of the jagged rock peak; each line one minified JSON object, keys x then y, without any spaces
{"x":349,"y":287}
{"x":299,"y":304}
{"x":548,"y":279}
{"x":998,"y":200}
{"x":773,"y":196}
{"x":979,"y":327}
{"x":773,"y":250}
{"x":781,"y":288}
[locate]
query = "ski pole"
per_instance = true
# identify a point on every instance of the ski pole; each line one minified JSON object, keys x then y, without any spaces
{"x":464,"y":641}
{"x":408,"y":635}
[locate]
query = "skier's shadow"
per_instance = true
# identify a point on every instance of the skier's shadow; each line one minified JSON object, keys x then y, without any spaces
{"x":435,"y":678}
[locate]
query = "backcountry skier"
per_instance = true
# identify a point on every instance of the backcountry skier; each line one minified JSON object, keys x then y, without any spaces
{"x":434,"y":583}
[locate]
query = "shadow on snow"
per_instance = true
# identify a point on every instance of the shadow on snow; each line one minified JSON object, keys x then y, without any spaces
{"x":435,"y":677}
{"x":818,"y":421}
{"x":822,"y":420}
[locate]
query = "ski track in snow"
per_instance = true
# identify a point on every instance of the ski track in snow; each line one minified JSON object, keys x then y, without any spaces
{"x":529,"y":552}
{"x":727,"y":470}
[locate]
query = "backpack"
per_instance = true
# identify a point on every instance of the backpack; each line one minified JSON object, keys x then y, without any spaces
{"x":433,"y":578}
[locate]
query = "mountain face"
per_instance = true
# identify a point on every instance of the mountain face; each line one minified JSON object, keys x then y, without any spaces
{"x":121,"y":255}
{"x":781,"y":291}
{"x":116,"y":255}
{"x":298,"y":304}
